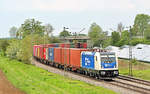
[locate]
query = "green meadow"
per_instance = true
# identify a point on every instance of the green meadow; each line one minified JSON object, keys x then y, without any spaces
{"x":34,"y":80}
{"x":140,"y":69}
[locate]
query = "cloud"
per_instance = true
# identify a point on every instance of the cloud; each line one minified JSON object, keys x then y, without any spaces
{"x":82,"y":5}
{"x":74,"y":5}
{"x":60,"y":5}
{"x":142,"y":4}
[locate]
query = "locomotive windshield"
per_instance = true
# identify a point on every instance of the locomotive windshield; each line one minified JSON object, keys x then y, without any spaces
{"x":108,"y":60}
{"x":108,"y":57}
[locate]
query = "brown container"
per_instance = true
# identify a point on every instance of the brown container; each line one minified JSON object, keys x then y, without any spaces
{"x":75,"y":55}
{"x":41,"y":54}
{"x":58,"y":55}
{"x":66,"y":56}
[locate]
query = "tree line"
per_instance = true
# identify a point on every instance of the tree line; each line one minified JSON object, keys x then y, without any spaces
{"x":138,"y":33}
{"x":20,"y":45}
{"x":32,"y":32}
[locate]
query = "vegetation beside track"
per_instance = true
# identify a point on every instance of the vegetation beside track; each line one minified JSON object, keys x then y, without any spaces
{"x":140,"y":69}
{"x":35,"y":80}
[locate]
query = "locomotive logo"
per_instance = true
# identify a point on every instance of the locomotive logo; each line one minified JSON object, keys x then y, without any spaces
{"x":87,"y":61}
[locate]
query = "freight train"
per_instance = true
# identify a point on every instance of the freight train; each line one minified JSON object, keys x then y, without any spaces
{"x":98,"y":64}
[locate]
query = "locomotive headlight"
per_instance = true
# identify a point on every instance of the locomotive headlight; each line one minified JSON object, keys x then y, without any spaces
{"x":103,"y":72}
{"x":115,"y":72}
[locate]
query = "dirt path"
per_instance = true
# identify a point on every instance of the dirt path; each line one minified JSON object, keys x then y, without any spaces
{"x":6,"y":87}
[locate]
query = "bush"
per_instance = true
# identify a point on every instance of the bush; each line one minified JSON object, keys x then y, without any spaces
{"x":3,"y":45}
{"x":26,"y":48}
{"x":13,"y":48}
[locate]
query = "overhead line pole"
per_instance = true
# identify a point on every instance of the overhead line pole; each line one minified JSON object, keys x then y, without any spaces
{"x":130,"y":52}
{"x":65,"y":52}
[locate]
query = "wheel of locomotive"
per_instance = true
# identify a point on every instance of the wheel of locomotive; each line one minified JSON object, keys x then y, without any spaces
{"x":83,"y":72}
{"x":97,"y":76}
{"x":91,"y":74}
{"x":86,"y":73}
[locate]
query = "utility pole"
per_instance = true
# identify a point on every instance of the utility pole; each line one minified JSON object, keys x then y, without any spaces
{"x":65,"y":52}
{"x":130,"y":52}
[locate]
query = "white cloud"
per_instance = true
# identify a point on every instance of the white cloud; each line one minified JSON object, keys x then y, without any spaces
{"x":142,"y":4}
{"x":60,"y":5}
{"x":74,"y":5}
{"x":82,"y":5}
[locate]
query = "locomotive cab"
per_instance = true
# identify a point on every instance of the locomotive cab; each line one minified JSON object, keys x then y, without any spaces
{"x":108,"y":64}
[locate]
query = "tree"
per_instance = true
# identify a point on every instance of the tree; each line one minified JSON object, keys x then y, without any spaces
{"x":12,"y":32}
{"x":26,"y":46}
{"x":115,"y":38}
{"x":55,"y":40}
{"x":120,"y":28}
{"x":96,"y":34}
{"x":140,"y":23}
{"x":82,"y":35}
{"x":124,"y":38}
{"x":19,"y":33}
{"x":13,"y":48}
{"x":48,"y":29}
{"x":147,"y":33}
{"x":31,"y":26}
{"x":3,"y":45}
{"x":64,"y":33}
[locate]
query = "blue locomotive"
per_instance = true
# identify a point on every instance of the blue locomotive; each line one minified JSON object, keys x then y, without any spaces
{"x":100,"y":64}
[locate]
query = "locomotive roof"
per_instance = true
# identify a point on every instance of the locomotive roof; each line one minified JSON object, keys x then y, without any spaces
{"x":106,"y":53}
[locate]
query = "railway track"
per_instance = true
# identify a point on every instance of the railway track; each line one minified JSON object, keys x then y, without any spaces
{"x":124,"y":84}
{"x":129,"y":78}
{"x":129,"y":83}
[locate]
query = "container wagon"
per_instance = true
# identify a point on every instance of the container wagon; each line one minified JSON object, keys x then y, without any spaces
{"x":93,"y":63}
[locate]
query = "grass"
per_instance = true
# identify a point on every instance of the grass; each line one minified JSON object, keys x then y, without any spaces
{"x":140,"y":69}
{"x":33,"y":80}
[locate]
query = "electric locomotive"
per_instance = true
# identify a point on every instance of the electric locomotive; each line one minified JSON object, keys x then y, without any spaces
{"x":100,"y":64}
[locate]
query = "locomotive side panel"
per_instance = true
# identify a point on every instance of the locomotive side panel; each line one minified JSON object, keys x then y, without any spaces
{"x":88,"y":60}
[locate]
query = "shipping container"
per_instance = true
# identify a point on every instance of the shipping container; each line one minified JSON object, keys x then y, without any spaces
{"x":58,"y":55}
{"x":34,"y":50}
{"x":51,"y":54}
{"x":84,"y":45}
{"x":64,"y":45}
{"x":56,"y":45}
{"x":35,"y":54}
{"x":38,"y":52}
{"x":50,"y":45}
{"x":88,"y":60}
{"x":66,"y":56}
{"x":41,"y":56}
{"x":46,"y":53}
{"x":75,"y":55}
{"x":34,"y":47}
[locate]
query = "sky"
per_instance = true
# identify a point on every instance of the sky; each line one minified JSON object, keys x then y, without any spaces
{"x":74,"y":14}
